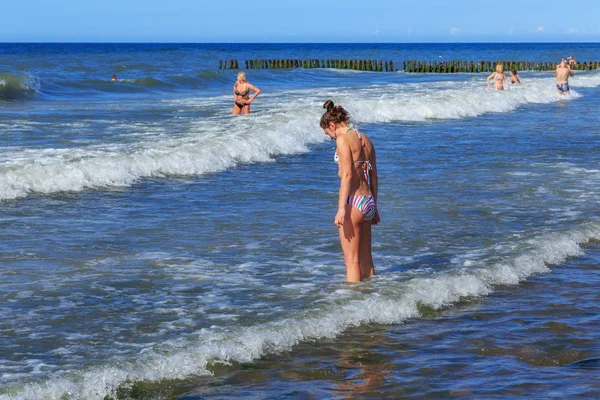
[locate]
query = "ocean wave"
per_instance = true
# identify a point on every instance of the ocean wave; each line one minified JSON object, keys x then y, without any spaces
{"x":127,"y":84}
{"x":454,"y":100}
{"x":288,"y":126}
{"x":148,"y":82}
{"x":394,"y":302}
{"x":221,"y":146}
{"x":19,"y":86}
{"x":137,"y":85}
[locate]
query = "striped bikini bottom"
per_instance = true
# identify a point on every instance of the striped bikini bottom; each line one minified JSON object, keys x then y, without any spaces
{"x":365,"y":204}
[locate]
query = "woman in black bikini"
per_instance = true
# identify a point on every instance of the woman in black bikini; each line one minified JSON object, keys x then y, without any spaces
{"x":241,"y":95}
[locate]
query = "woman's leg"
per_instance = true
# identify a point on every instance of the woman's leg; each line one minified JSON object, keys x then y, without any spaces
{"x":367,"y":269}
{"x":246,"y":109}
{"x":236,"y":110}
{"x":350,"y":237}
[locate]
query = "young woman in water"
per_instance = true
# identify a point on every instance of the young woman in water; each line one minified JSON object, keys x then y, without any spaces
{"x":515,"y":79}
{"x":357,"y":201}
{"x":499,"y":77}
{"x":241,"y":95}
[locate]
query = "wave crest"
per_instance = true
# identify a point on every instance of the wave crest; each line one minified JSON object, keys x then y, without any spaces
{"x":20,"y":86}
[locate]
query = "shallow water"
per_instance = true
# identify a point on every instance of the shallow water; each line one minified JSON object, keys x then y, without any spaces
{"x":153,"y":246}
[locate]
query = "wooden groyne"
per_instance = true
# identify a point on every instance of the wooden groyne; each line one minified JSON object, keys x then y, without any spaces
{"x":358,"y":65}
{"x":460,"y":66}
{"x":417,"y":66}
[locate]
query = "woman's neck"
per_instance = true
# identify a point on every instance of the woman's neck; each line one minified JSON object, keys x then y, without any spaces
{"x":341,"y":129}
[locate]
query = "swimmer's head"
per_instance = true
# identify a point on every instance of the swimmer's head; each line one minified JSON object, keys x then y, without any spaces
{"x":241,"y":76}
{"x":513,"y":71}
{"x":499,"y":68}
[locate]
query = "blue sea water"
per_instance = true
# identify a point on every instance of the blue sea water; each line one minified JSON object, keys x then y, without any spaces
{"x":153,"y":246}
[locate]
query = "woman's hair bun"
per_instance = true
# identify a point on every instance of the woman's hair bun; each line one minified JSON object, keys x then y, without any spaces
{"x":328,"y":105}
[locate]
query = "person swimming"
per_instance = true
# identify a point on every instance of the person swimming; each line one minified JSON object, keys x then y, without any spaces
{"x":357,"y":200}
{"x":113,"y":77}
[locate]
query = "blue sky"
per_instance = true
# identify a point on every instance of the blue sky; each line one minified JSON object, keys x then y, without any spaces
{"x":326,"y":21}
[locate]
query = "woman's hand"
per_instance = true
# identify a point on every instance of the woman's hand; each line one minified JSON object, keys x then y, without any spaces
{"x":376,"y":218}
{"x":340,"y":217}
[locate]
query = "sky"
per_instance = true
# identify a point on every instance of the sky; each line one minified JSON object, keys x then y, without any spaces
{"x":300,"y":21}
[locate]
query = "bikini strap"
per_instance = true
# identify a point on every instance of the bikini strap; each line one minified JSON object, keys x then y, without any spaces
{"x":366,"y":164}
{"x":366,"y":167}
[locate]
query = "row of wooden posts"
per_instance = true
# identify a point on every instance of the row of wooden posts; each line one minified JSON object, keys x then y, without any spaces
{"x":453,"y":66}
{"x":359,"y":65}
{"x":487,"y":66}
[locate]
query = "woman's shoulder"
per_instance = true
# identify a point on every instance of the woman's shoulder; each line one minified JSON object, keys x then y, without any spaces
{"x":366,"y":140}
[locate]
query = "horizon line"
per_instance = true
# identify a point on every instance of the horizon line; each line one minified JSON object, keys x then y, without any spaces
{"x":308,"y":42}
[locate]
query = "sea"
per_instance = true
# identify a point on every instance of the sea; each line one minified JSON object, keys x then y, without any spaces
{"x":153,"y":246}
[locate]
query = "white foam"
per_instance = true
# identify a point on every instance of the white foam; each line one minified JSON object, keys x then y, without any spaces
{"x":207,"y":145}
{"x":456,"y":100}
{"x":212,"y":150}
{"x":183,"y":358}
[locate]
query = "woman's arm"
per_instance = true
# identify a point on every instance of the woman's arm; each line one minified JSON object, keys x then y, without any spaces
{"x":345,"y":159}
{"x":255,"y":90}
{"x":374,"y":179}
{"x":490,"y":77}
{"x":374,"y":183}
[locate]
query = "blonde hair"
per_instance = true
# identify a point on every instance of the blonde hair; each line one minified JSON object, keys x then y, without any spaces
{"x":242,"y":75}
{"x":498,"y":66}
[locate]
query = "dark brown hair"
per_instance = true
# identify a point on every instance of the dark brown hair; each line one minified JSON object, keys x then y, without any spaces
{"x":335,"y":114}
{"x":514,"y":71}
